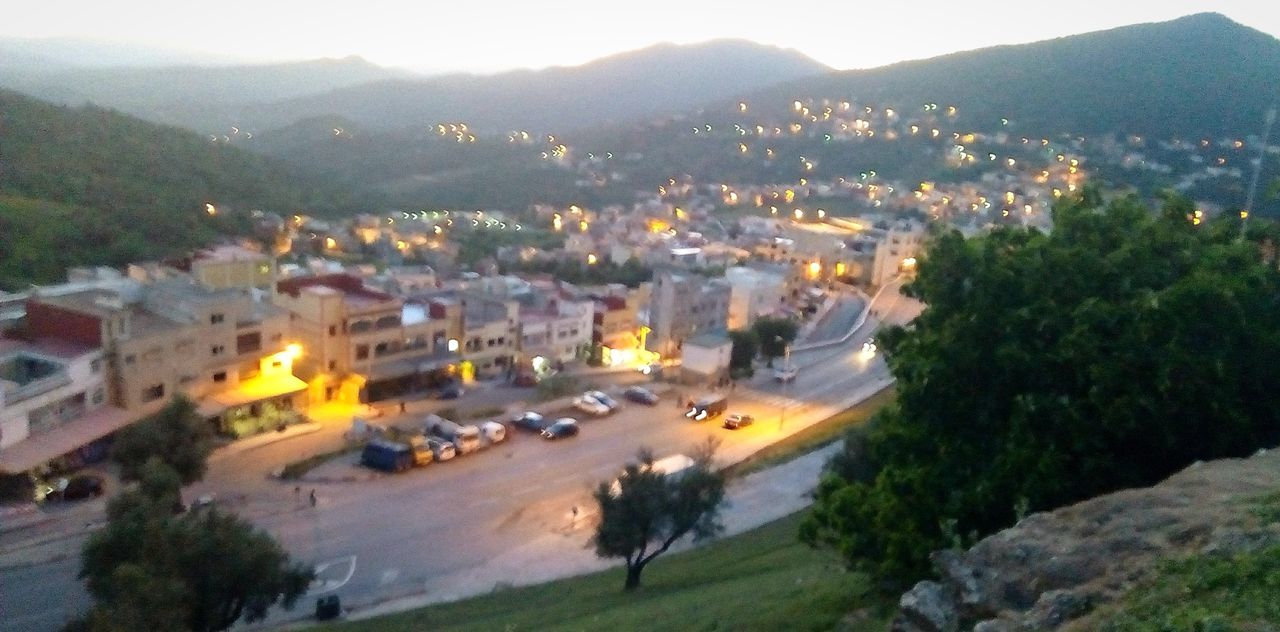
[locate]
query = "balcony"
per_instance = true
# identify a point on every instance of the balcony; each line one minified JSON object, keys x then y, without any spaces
{"x":14,"y":393}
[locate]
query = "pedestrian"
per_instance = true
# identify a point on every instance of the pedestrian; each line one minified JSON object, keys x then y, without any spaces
{"x":313,"y":498}
{"x":402,"y":405}
{"x":575,"y":515}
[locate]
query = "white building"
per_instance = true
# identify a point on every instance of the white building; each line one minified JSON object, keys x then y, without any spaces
{"x":754,"y":293}
{"x":705,"y":358}
{"x":558,"y":331}
{"x":53,"y":402}
{"x":896,"y":251}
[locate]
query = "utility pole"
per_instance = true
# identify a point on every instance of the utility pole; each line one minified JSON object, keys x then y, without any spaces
{"x":1257,"y":169}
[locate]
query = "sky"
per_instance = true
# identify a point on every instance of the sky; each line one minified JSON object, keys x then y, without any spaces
{"x":490,"y":36}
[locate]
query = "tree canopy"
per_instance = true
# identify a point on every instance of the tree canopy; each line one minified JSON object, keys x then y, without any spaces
{"x":645,"y":511}
{"x":775,"y":335}
{"x":150,"y":569}
{"x":746,"y":344}
{"x":1049,"y":368}
{"x":176,"y":435}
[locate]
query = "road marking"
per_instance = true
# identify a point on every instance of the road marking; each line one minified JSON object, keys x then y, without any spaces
{"x":326,"y":585}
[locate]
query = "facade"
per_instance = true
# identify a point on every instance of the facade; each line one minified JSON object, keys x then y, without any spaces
{"x":705,"y":359}
{"x":53,"y":404}
{"x":555,"y":331}
{"x":224,"y":348}
{"x":366,"y":345}
{"x":682,"y":306}
{"x":755,"y":293}
{"x":896,"y":251}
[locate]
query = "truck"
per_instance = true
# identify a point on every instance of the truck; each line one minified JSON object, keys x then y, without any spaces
{"x":465,"y":439}
{"x":388,"y":456}
{"x":707,"y":406}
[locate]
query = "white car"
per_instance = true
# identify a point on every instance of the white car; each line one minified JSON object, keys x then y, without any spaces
{"x":786,"y":373}
{"x":591,"y":406}
{"x":599,"y":396}
{"x":869,"y":347}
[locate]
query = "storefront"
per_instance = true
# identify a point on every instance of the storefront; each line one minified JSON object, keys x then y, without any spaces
{"x":257,"y":405}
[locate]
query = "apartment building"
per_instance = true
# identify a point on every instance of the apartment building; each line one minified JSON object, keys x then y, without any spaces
{"x":365,"y":345}
{"x":682,"y":306}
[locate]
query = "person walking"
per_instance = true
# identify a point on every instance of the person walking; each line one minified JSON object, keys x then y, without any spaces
{"x":313,"y":498}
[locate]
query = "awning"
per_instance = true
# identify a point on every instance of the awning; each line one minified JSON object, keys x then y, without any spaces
{"x":410,"y":366}
{"x":46,"y":446}
{"x":254,"y":390}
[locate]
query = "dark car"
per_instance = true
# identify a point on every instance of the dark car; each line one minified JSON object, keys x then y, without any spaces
{"x":736,"y":421}
{"x":83,"y":486}
{"x":450,"y":391}
{"x":562,"y":428}
{"x":641,"y":395}
{"x":531,"y":421}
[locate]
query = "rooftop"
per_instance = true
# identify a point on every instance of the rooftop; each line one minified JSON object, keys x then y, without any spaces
{"x":709,"y":340}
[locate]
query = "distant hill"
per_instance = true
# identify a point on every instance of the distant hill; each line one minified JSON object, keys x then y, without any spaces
{"x":1198,"y":75}
{"x":97,"y":53}
{"x":189,"y":95}
{"x":658,"y":80}
{"x":90,"y":186}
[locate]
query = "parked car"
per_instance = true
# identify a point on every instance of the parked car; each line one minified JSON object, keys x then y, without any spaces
{"x":83,"y":486}
{"x":641,"y":395}
{"x":603,"y":398}
{"x":736,"y":421}
{"x":667,"y":466}
{"x":653,"y":369}
{"x":531,"y":421}
{"x":493,"y":432}
{"x":786,"y":373}
{"x":466,"y":439}
{"x":422,"y":454}
{"x":591,"y":406}
{"x":387,"y":456}
{"x":452,"y":390}
{"x":563,"y":427}
{"x":441,"y":449}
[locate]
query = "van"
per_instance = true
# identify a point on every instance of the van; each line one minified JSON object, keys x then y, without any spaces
{"x":465,"y":439}
{"x":387,"y":456}
{"x":666,"y":466}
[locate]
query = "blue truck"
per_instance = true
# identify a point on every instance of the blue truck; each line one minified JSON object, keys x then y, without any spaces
{"x":387,"y":456}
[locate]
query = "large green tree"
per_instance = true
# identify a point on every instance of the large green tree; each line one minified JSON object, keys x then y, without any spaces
{"x":1049,"y":368}
{"x":775,"y":335}
{"x":150,"y":569}
{"x":745,"y":347}
{"x":646,"y":511}
{"x":176,"y":435}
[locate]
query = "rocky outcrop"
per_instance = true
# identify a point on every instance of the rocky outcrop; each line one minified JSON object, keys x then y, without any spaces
{"x":1052,"y":568}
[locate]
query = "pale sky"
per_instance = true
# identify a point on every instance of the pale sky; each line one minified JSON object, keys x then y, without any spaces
{"x":488,"y":36}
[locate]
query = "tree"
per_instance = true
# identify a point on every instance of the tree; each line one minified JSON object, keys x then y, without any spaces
{"x":1049,"y":368}
{"x":646,"y":511}
{"x":201,"y":571}
{"x":745,"y":347}
{"x":775,"y":335}
{"x":176,"y":435}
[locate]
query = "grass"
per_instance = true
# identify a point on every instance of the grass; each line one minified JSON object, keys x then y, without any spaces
{"x":1201,"y":593}
{"x":814,"y":437}
{"x":298,"y":469}
{"x":759,"y":580}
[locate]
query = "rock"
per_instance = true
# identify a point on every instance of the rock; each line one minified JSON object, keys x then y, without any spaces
{"x":1057,"y":607}
{"x":927,"y":607}
{"x":994,"y":625}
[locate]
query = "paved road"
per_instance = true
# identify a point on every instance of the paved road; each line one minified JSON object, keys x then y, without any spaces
{"x":390,"y":537}
{"x":836,"y":322}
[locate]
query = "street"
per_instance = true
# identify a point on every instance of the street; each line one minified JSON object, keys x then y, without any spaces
{"x":398,"y":535}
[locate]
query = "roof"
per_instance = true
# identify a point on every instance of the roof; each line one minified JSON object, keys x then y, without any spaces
{"x":40,"y":448}
{"x":50,"y":347}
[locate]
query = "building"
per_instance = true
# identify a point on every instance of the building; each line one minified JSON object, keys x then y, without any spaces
{"x":162,"y":334}
{"x":682,"y":306}
{"x":897,"y":247}
{"x":53,"y":405}
{"x":705,"y":359}
{"x":365,"y":345}
{"x":756,"y":292}
{"x":555,"y":330}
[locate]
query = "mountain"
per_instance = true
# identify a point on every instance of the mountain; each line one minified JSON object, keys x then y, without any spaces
{"x":85,"y":52}
{"x":658,"y":80}
{"x":87,"y":185}
{"x":188,"y":95}
{"x":1200,"y":75}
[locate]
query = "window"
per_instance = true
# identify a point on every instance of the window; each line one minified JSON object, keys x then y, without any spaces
{"x":220,"y":377}
{"x":98,"y":396}
{"x":248,"y":343}
{"x":215,"y":319}
{"x":186,"y":379}
{"x":333,"y":365}
{"x":362,"y":352}
{"x":277,"y":337}
{"x":217,"y":349}
{"x":153,"y":393}
{"x":333,"y":330}
{"x":95,"y":366}
{"x":130,"y":359}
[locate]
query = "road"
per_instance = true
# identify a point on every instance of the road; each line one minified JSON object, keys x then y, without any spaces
{"x":399,"y":535}
{"x":836,"y":322}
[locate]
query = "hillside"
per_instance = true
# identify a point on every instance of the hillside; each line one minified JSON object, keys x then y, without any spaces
{"x":1199,"y":551}
{"x":658,"y":80}
{"x":189,"y":95}
{"x":90,"y":186}
{"x":1200,"y":75}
